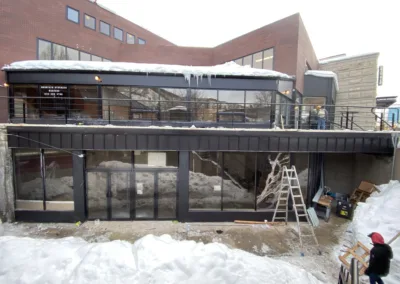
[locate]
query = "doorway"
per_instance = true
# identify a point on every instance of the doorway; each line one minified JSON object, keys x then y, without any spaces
{"x":136,"y":194}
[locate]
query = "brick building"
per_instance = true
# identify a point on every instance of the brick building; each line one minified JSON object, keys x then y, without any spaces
{"x":81,"y":148}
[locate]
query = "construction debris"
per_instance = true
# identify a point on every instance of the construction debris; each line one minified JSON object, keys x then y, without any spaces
{"x":364,"y":190}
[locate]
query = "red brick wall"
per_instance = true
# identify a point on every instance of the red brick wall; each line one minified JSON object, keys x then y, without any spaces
{"x":282,"y":35}
{"x":305,"y":53}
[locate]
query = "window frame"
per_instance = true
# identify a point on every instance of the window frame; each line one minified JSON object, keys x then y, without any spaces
{"x":143,"y":40}
{"x":109,"y":26}
{"x":84,"y":22}
{"x":79,"y":15}
{"x":122,"y":35}
{"x":134,"y":38}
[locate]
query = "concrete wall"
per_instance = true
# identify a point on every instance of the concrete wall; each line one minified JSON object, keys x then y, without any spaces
{"x":344,"y":172}
{"x":357,"y":85}
{"x":6,"y":178}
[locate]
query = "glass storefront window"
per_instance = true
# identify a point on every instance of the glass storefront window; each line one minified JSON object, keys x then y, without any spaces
{"x":59,"y":181}
{"x":239,"y":181}
{"x":53,"y":101}
{"x":116,"y":103}
{"x":231,"y":106}
{"x":109,"y":159}
{"x":28,"y":180}
{"x":205,"y":182}
{"x":145,"y":103}
{"x":72,"y":54}
{"x":258,"y":106}
{"x":204,"y":105}
{"x":26,"y":101}
{"x":84,"y":102}
{"x":156,"y":159}
{"x":173,"y":104}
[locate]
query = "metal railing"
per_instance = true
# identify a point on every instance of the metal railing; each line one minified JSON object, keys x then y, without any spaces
{"x":351,"y":276}
{"x":74,"y":110}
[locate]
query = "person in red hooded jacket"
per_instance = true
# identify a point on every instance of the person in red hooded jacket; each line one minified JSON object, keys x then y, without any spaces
{"x":379,"y":259}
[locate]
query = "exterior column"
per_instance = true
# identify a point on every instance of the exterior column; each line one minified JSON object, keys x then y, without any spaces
{"x":6,"y":178}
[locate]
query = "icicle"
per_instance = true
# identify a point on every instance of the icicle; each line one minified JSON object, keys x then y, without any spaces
{"x":187,"y":77}
{"x":209,"y":79}
{"x":197,"y":80}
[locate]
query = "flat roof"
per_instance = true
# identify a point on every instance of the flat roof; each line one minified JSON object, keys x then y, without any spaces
{"x":227,"y":69}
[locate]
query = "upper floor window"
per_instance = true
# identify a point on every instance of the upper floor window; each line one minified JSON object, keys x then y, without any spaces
{"x":90,"y":22}
{"x":261,"y":60}
{"x":141,"y":41}
{"x":130,"y":39}
{"x":104,"y":28}
{"x":73,"y":15}
{"x":118,"y":34}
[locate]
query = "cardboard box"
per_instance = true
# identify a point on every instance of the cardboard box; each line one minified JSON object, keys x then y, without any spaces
{"x":367,"y":187}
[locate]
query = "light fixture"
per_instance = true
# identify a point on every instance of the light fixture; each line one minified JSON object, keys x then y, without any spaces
{"x":6,"y":85}
{"x":98,"y":79}
{"x":287,"y":92}
{"x":265,"y":58}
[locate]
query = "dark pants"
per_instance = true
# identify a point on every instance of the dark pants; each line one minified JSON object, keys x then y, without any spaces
{"x":373,"y":279}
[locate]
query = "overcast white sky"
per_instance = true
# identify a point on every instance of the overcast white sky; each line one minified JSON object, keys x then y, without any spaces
{"x":334,"y":27}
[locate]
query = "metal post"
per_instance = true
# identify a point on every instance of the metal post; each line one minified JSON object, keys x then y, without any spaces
{"x":309,"y":120}
{"x":109,"y":113}
{"x":23,"y":113}
{"x":393,"y":120}
{"x":381,"y":123}
{"x":351,"y":122}
{"x":347,"y":119}
{"x":354,"y":271}
{"x":341,"y":121}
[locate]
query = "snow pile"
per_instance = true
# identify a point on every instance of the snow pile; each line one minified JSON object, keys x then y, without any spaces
{"x":326,"y":74}
{"x":227,"y":69}
{"x":381,"y":214}
{"x":149,"y":260}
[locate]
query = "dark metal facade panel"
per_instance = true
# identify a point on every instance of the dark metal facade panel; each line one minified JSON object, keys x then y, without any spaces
{"x":121,"y":79}
{"x":200,"y":140}
{"x":47,"y":216}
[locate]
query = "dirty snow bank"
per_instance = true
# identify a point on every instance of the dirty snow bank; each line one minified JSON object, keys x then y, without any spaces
{"x":227,"y":69}
{"x":380,"y":214}
{"x":149,"y":260}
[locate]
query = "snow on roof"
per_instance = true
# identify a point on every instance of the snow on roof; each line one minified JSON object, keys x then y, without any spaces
{"x":227,"y":69}
{"x":346,"y":57}
{"x":326,"y":74}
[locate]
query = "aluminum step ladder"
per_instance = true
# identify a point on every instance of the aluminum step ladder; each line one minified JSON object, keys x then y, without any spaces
{"x":290,"y":185}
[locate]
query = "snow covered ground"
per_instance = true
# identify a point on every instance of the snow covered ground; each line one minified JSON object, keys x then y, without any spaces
{"x":380,"y":214}
{"x":151,"y":259}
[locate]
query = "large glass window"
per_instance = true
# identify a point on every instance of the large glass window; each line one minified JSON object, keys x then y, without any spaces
{"x":116,"y":103}
{"x":130,"y":39}
{"x":96,"y":58}
{"x":44,"y":50}
{"x":261,"y":60}
{"x":59,"y":180}
{"x":257,"y":60}
{"x":85,"y":56}
{"x":57,"y":177}
{"x":205,"y":182}
{"x":239,"y":177}
{"x":26,"y":101}
{"x":73,"y":15}
{"x":268,"y":59}
{"x":59,"y":52}
{"x":72,"y":54}
{"x":104,"y":28}
{"x":231,"y":106}
{"x":204,"y":105}
{"x":28,"y":180}
{"x":148,"y":159}
{"x":53,"y":101}
{"x":173,"y":104}
{"x":258,"y":106}
{"x":118,"y":34}
{"x":90,"y":22}
{"x":269,"y":170}
{"x":84,"y":103}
